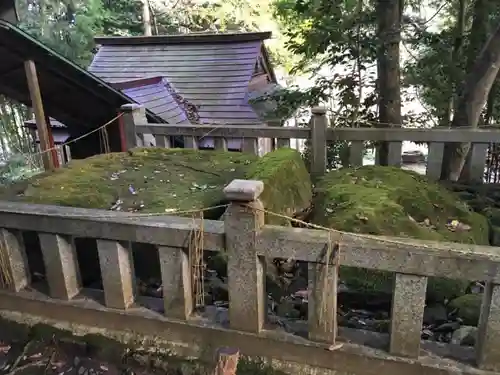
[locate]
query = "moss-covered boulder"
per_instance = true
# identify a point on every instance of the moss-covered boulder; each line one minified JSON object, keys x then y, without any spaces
{"x":157,"y":180}
{"x":164,"y":180}
{"x":394,"y":202}
{"x":468,"y":308}
{"x":287,"y":184}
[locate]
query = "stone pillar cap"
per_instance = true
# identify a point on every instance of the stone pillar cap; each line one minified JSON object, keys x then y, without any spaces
{"x":243,"y":190}
{"x":131,"y":107}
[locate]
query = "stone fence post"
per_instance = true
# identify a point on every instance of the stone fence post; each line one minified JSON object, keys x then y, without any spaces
{"x":319,"y":125}
{"x":132,"y":114}
{"x":246,"y":271}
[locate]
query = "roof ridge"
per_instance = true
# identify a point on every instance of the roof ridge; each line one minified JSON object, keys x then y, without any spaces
{"x":189,"y":38}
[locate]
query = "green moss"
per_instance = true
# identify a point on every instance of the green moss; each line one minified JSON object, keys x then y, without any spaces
{"x":287,"y":184}
{"x":164,"y":179}
{"x":169,"y":179}
{"x":394,"y":202}
{"x":469,"y":308}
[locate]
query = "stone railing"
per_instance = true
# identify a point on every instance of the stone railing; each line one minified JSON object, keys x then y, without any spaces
{"x":246,"y":241}
{"x":319,"y":135}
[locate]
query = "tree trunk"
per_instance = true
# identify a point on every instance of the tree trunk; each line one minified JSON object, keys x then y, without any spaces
{"x":389,"y":14}
{"x":146,"y":18}
{"x":478,"y":38}
{"x":455,"y":56}
{"x":471,"y":101}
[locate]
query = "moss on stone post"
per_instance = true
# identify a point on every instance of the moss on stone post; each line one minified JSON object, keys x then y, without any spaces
{"x":246,"y":271}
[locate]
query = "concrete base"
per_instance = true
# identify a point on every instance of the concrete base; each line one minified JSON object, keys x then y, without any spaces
{"x":199,"y":339}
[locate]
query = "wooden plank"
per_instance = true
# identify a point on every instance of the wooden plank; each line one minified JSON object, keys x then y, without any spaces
{"x":175,"y":59}
{"x":196,"y":39}
{"x":228,"y":71}
{"x":209,"y":50}
{"x":37,"y":105}
{"x":176,"y":65}
{"x":192,"y":78}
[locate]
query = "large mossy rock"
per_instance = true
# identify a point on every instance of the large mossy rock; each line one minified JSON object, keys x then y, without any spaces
{"x":162,"y":180}
{"x":393,"y":202}
{"x":157,"y":180}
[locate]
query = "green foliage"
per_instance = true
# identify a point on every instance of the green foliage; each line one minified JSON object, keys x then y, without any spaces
{"x":435,"y":71}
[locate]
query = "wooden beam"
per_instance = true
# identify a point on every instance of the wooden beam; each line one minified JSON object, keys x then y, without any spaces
{"x":37,"y":105}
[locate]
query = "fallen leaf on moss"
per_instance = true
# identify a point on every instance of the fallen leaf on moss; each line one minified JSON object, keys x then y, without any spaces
{"x":457,"y":226}
{"x":364,"y":219}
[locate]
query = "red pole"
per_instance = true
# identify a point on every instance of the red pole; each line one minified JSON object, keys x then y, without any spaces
{"x":123,"y":139}
{"x":52,"y":146}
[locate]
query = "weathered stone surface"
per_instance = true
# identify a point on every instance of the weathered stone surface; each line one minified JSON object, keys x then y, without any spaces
{"x":243,"y":190}
{"x":61,"y":265}
{"x":176,"y":282}
{"x":488,"y":345}
{"x":246,"y":271}
{"x":408,"y":303}
{"x":117,"y":270}
{"x":465,"y":335}
{"x":14,"y":259}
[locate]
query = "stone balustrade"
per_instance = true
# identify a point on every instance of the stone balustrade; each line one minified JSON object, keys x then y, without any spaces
{"x":247,"y":241}
{"x":319,"y":135}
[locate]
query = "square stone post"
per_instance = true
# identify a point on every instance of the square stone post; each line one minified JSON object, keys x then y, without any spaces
{"x":176,"y":281}
{"x":13,"y":256}
{"x":477,"y":162}
{"x":407,"y":314}
{"x":250,"y":145}
{"x":356,"y":151}
{"x":220,"y":143}
{"x":133,"y":114}
{"x":117,"y":272}
{"x":322,"y":289}
{"x":61,"y":265}
{"x":435,"y":160}
{"x":162,"y":141}
{"x":246,"y":271}
{"x":319,"y":125}
{"x":488,"y":336}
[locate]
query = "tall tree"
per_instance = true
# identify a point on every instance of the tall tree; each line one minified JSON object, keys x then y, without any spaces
{"x":389,"y":14}
{"x":472,"y":99}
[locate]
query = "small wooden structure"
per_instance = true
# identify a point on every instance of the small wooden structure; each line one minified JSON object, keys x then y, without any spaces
{"x":198,"y":78}
{"x":33,"y":74}
{"x":60,"y":136}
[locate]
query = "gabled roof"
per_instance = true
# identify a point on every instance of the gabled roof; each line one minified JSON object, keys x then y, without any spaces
{"x":70,"y":94}
{"x":211,"y":71}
